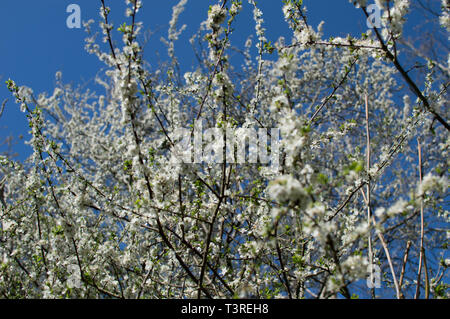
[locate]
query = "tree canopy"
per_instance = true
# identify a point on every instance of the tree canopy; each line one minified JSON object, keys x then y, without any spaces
{"x":136,"y":191}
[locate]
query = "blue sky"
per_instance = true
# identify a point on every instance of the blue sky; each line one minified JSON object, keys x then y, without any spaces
{"x":36,"y":42}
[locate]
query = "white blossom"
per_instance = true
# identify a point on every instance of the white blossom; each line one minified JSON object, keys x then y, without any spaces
{"x":216,"y":16}
{"x":432,"y":182}
{"x":286,"y":188}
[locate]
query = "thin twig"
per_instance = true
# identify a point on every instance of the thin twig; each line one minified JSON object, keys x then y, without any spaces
{"x":427,"y":280}
{"x":329,"y":97}
{"x":388,"y":256}
{"x":108,"y":33}
{"x":412,"y":85}
{"x":368,"y":192}
{"x":405,"y":260}
{"x":3,"y":107}
{"x":386,"y":251}
{"x":422,"y":248}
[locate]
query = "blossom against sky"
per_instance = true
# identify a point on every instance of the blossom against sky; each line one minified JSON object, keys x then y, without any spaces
{"x":36,"y":43}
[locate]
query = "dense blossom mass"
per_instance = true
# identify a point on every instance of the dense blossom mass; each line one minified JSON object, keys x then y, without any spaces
{"x":102,"y":208}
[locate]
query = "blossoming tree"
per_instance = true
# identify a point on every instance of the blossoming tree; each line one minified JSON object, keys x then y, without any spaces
{"x":102,"y":208}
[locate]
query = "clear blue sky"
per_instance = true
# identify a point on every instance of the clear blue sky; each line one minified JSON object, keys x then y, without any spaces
{"x":36,"y":42}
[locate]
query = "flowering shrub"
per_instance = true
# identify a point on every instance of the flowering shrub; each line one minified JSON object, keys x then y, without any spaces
{"x":101,"y":210}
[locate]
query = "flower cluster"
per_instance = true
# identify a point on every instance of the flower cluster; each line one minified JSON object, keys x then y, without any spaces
{"x":216,"y":16}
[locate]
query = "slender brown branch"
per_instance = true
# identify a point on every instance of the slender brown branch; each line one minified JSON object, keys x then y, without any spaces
{"x":407,"y":78}
{"x":427,"y":280}
{"x":388,"y":256}
{"x":422,"y":228}
{"x":386,"y":251}
{"x":108,"y":35}
{"x":282,"y":266}
{"x":370,"y":251}
{"x":347,"y":72}
{"x":3,"y":107}
{"x":405,"y":260}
